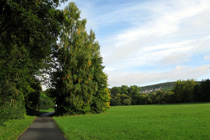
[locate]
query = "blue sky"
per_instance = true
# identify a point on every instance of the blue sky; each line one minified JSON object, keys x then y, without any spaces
{"x":150,"y":41}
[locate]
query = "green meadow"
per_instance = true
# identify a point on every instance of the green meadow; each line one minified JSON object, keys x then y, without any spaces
{"x":142,"y":122}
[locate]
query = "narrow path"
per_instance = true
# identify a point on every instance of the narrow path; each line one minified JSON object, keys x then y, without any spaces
{"x":43,"y":128}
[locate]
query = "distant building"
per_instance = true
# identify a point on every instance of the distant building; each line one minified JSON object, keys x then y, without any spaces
{"x":151,"y":90}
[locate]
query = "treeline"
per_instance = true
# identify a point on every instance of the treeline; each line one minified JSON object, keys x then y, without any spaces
{"x":182,"y":92}
{"x":41,"y":43}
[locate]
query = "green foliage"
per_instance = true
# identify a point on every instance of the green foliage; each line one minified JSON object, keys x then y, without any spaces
{"x":133,"y":91}
{"x":204,"y":94}
{"x":121,"y":99}
{"x":140,"y":122}
{"x":79,"y":81}
{"x":28,"y":46}
{"x":32,"y":96}
{"x":127,"y":102}
{"x":184,"y":91}
{"x":129,"y":94}
{"x":28,"y":30}
{"x":11,"y":103}
{"x":142,"y":99}
{"x":50,"y":93}
{"x":45,"y":102}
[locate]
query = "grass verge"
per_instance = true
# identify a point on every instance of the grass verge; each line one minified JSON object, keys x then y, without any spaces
{"x":12,"y":129}
{"x":145,"y":122}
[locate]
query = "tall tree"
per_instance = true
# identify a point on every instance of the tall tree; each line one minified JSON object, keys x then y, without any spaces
{"x":81,"y":85}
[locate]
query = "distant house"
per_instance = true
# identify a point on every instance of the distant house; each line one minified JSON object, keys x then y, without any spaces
{"x":151,"y":90}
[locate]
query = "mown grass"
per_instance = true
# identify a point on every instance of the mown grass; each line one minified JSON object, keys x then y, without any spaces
{"x":12,"y":129}
{"x":142,"y":122}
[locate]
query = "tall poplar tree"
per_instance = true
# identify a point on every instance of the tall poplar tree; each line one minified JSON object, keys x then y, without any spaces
{"x":79,"y":81}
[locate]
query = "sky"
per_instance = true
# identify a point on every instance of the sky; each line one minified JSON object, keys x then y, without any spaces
{"x":147,"y":42}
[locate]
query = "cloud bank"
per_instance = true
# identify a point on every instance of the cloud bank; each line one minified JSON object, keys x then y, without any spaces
{"x":151,"y":41}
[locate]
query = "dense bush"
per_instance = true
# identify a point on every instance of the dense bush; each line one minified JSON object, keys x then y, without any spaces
{"x":126,"y":102}
{"x":124,"y":95}
{"x":11,"y":103}
{"x":121,"y":99}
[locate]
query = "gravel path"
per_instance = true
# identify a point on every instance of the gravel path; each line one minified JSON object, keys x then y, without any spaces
{"x":43,"y":128}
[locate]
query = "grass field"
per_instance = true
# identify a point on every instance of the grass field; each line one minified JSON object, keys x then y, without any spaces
{"x":13,"y":128}
{"x":143,"y":122}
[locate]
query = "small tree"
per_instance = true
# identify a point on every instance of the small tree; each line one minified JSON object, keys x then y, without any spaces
{"x":127,"y":102}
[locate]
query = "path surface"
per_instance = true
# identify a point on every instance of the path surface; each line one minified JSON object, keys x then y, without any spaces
{"x":43,"y":128}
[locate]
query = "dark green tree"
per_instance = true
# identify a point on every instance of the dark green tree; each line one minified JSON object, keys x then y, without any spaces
{"x":32,"y":95}
{"x":184,"y":90}
{"x":118,"y":100}
{"x":125,"y":99}
{"x":114,"y":91}
{"x":133,"y":92}
{"x":28,"y":30}
{"x":205,"y":91}
{"x":124,"y":89}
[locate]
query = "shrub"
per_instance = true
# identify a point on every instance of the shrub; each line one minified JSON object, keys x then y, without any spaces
{"x":11,"y":103}
{"x":127,"y":102}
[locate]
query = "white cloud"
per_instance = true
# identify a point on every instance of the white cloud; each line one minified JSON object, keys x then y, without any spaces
{"x":159,"y":34}
{"x":207,"y":57}
{"x":142,"y":78}
{"x":163,"y":41}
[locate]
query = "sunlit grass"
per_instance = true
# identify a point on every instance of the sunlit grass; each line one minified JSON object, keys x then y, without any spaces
{"x":12,"y":129}
{"x":142,"y":122}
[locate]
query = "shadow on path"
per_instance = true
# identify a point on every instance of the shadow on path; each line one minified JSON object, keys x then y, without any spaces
{"x":43,"y":128}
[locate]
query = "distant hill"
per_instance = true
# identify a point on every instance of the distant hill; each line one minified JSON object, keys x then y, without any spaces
{"x":163,"y":86}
